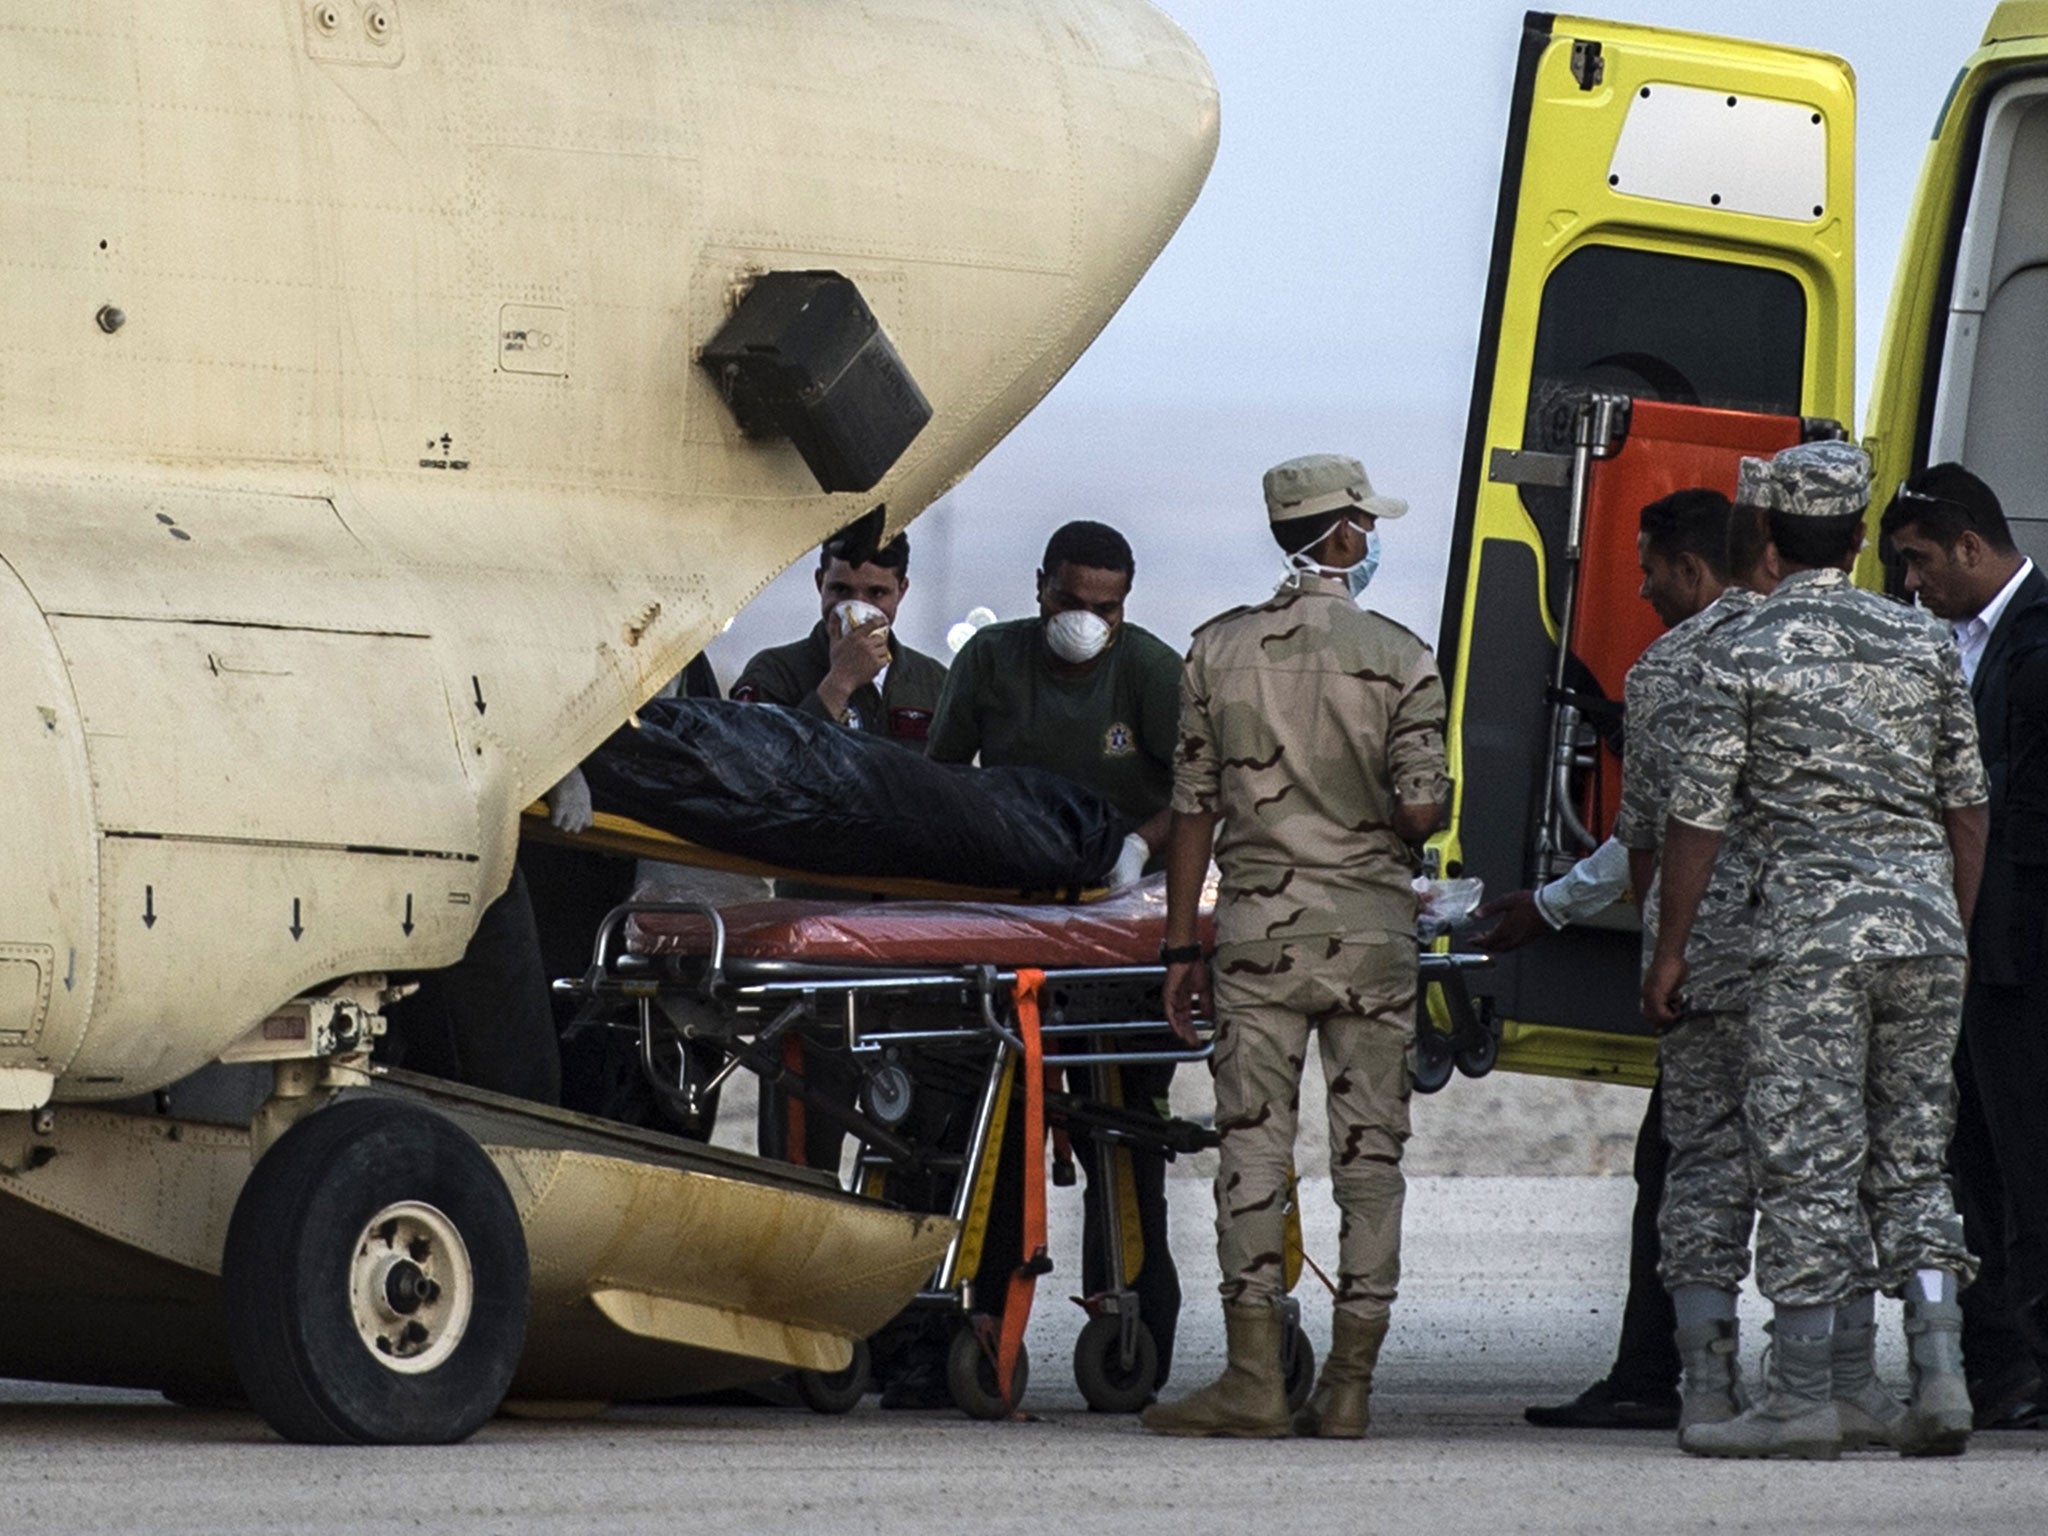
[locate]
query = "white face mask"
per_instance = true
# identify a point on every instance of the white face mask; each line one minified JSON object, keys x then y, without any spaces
{"x":1356,"y":577}
{"x":1077,"y":635}
{"x":853,"y":613}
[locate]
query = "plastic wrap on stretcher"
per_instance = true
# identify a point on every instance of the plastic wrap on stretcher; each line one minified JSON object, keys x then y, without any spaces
{"x":1125,"y":928}
{"x":783,"y":788}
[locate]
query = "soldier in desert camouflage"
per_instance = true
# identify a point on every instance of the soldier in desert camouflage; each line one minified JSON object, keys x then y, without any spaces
{"x":1839,"y":722}
{"x":1312,"y":754}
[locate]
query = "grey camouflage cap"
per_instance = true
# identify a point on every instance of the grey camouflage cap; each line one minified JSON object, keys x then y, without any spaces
{"x":1810,"y":480}
{"x":1324,"y":482}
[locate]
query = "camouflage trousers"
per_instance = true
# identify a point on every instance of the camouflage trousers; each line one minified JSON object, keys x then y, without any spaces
{"x":1709,"y":1204}
{"x":1357,"y":996}
{"x":1849,"y":1104}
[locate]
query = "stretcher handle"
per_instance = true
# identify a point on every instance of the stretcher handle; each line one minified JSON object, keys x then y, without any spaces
{"x":616,"y":919}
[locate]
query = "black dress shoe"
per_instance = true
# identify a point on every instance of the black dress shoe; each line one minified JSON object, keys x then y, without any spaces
{"x":920,"y":1386}
{"x":1605,"y":1406}
{"x":2010,"y":1398}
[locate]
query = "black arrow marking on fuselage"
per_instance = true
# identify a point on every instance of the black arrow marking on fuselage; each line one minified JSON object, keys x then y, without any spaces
{"x":406,"y":926}
{"x":149,"y":906}
{"x":296,"y":928}
{"x":478,"y":684}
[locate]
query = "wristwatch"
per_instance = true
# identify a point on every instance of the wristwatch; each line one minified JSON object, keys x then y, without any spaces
{"x":1179,"y":954}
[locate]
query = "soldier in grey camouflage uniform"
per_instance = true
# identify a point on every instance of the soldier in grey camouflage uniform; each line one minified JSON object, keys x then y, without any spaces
{"x":1840,"y":720}
{"x":1707,"y":1211}
{"x":1312,"y":751}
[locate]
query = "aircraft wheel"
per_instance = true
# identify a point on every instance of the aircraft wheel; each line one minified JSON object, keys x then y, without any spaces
{"x":971,"y":1378}
{"x":837,"y":1391}
{"x":1297,"y":1365}
{"x":1430,"y":1061}
{"x":375,"y":1279}
{"x":1109,"y":1385}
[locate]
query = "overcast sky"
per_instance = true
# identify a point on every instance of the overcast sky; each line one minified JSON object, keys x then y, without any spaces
{"x":1324,"y":294}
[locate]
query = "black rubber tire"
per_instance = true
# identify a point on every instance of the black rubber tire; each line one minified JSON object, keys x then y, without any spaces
{"x":1431,"y":1064}
{"x":1297,"y":1365}
{"x":285,"y":1277}
{"x":836,"y":1392}
{"x":1099,"y":1371}
{"x":1479,"y":1059}
{"x":971,"y":1378}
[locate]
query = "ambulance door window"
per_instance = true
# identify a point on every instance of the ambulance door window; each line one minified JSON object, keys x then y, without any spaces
{"x":1678,"y":328}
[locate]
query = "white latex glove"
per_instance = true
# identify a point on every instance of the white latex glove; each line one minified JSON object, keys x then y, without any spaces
{"x":1130,"y":864}
{"x":569,"y":803}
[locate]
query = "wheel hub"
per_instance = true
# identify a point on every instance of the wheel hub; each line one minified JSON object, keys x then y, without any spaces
{"x":411,"y":1287}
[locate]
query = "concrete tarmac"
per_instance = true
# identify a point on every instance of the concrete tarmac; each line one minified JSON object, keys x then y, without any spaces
{"x":1512,"y":1294}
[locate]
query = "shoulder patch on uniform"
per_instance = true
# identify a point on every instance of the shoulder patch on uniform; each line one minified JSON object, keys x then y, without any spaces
{"x":1119,"y":741}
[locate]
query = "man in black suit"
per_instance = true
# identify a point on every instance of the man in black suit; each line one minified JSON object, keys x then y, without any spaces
{"x":1948,"y":531}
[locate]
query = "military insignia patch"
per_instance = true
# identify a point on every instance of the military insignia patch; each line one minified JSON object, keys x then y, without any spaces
{"x":1118,"y":741}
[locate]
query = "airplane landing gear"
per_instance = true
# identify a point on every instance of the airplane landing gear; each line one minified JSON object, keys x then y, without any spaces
{"x":375,"y":1278}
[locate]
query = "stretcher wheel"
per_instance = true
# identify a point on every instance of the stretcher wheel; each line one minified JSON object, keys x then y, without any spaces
{"x":375,"y":1280}
{"x":971,"y":1378}
{"x":1478,"y":1060}
{"x":836,"y":1391}
{"x":1297,"y":1365}
{"x":1105,"y":1381}
{"x":1431,"y":1061}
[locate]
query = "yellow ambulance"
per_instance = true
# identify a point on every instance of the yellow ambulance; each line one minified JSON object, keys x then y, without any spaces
{"x":1672,"y":287}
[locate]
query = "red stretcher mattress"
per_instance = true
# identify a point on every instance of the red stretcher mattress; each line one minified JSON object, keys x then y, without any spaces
{"x":1125,"y":928}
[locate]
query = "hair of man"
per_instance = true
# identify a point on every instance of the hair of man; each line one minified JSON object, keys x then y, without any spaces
{"x":1814,"y":541}
{"x":1946,"y":501}
{"x":1690,"y":522}
{"x":892,"y":556}
{"x":1095,"y":545}
{"x":1298,"y":535}
{"x":1749,"y":535}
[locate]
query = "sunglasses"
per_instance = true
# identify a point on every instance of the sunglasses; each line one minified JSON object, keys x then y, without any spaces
{"x":1907,"y":493}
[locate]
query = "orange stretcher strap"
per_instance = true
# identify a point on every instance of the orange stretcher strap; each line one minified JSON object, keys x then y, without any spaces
{"x":795,"y":1132}
{"x":1034,"y":1258}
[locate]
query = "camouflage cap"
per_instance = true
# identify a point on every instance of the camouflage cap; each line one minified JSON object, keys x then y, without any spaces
{"x":1810,"y":480}
{"x":1324,"y":482}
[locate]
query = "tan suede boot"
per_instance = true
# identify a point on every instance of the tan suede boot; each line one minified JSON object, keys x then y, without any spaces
{"x":1340,"y":1408}
{"x":1249,"y":1400}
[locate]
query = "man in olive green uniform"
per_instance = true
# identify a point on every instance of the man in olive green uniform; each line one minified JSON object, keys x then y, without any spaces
{"x":1077,"y":690}
{"x":851,"y":667}
{"x":1084,"y":694}
{"x":1312,"y":750}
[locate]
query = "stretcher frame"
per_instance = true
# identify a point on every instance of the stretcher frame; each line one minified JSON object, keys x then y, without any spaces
{"x":1030,"y":1022}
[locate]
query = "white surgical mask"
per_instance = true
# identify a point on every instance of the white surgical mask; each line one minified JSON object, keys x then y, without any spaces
{"x":1357,"y":577}
{"x":1077,"y":635}
{"x":853,"y":613}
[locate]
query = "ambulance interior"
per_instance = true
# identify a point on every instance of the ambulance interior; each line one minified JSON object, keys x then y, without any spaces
{"x":1991,"y":406}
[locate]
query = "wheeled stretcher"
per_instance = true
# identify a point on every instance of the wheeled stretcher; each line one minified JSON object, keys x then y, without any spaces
{"x":940,"y":1022}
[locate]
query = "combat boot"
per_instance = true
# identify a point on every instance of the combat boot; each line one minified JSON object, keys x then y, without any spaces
{"x":1938,"y":1413}
{"x":1796,"y":1417}
{"x":1869,"y":1414}
{"x":1340,"y":1408}
{"x":1249,"y":1400}
{"x":1712,"y":1392}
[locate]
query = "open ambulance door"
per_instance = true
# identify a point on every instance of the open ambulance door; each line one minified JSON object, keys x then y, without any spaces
{"x":1670,"y":290}
{"x":1963,"y":375}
